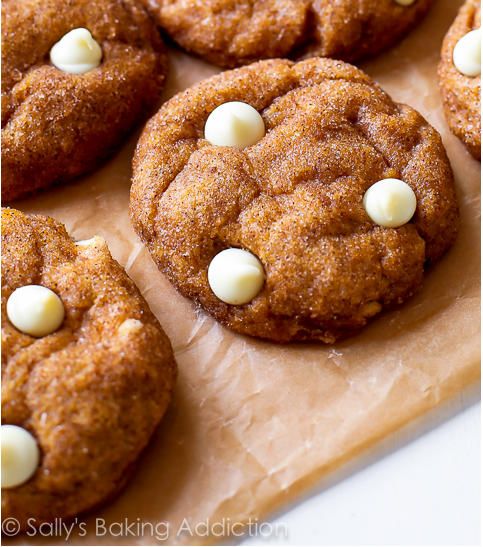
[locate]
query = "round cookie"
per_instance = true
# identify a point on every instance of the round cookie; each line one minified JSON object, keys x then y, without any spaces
{"x":461,"y":93}
{"x":295,"y":199}
{"x":92,"y":392}
{"x":231,"y":33}
{"x":57,"y":125}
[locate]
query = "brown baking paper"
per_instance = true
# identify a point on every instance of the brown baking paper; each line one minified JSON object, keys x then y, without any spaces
{"x":252,"y":423}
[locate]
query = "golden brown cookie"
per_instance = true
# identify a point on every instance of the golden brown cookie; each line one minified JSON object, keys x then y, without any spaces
{"x":57,"y":125}
{"x":294,"y":199}
{"x":231,"y":33}
{"x":92,"y":392}
{"x":461,"y":93}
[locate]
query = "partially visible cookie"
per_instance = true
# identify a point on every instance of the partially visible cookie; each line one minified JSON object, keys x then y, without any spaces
{"x":231,"y":33}
{"x":293,"y":206}
{"x":461,"y":91}
{"x":88,"y":395}
{"x":57,"y":125}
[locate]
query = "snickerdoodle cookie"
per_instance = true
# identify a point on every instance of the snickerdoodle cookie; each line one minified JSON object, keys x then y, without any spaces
{"x":235,"y":32}
{"x":460,"y":76}
{"x":87,"y":372}
{"x":65,"y":109}
{"x":319,"y":260}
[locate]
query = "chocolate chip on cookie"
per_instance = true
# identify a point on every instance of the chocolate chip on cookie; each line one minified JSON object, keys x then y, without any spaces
{"x":316,"y":253}
{"x":460,"y":76}
{"x":77,"y":76}
{"x":87,"y":372}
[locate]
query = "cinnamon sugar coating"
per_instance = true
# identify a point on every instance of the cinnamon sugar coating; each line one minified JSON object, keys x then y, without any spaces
{"x":92,"y":392}
{"x":57,"y":125}
{"x":231,"y":33}
{"x":461,"y":94}
{"x":294,"y":199}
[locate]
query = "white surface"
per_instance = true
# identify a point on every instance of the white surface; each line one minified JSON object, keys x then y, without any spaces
{"x":236,"y":276}
{"x":35,"y":310}
{"x":20,"y":455}
{"x":234,"y":124}
{"x":77,"y":52}
{"x":467,"y":53}
{"x":420,"y":486}
{"x":390,"y":203}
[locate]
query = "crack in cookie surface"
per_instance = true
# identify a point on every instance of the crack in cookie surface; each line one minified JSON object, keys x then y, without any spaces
{"x":91,"y":393}
{"x":294,"y":199}
{"x":57,"y":125}
{"x":236,"y":32}
{"x":461,"y":94}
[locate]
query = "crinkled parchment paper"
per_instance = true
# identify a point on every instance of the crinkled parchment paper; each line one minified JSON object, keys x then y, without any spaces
{"x":253,"y":423}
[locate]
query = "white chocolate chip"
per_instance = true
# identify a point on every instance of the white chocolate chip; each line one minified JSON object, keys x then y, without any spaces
{"x":77,"y":52}
{"x":35,"y":310}
{"x":369,"y":309}
{"x":405,"y":3}
{"x":234,"y":124}
{"x":236,"y":276}
{"x":390,"y":203}
{"x":467,"y":53}
{"x":130,"y":326}
{"x":85,"y":242}
{"x":20,"y":456}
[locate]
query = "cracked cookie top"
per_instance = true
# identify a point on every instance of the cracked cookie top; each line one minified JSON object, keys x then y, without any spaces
{"x":461,"y":93}
{"x":236,"y":32}
{"x":57,"y":125}
{"x":295,"y":198}
{"x":92,"y":392}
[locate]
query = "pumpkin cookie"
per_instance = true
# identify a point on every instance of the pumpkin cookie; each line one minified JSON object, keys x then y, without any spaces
{"x":87,"y":371}
{"x":460,"y":76}
{"x":230,"y":33}
{"x":276,"y":234}
{"x":69,"y":98}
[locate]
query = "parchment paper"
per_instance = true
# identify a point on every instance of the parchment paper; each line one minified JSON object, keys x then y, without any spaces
{"x":253,"y":423}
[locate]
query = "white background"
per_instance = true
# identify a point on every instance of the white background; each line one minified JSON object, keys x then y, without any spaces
{"x":419,"y":486}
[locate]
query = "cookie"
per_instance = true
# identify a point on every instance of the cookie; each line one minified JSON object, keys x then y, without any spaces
{"x":293,"y":200}
{"x":86,"y":398}
{"x":57,"y":124}
{"x":461,"y":88}
{"x":231,"y":33}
